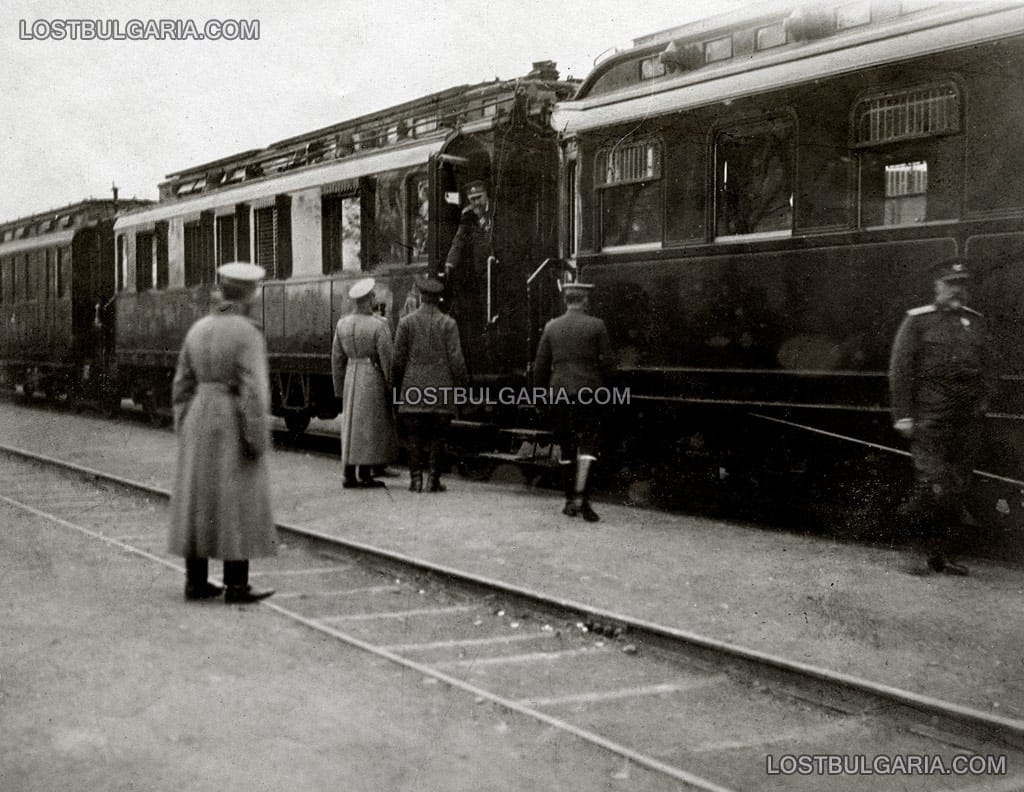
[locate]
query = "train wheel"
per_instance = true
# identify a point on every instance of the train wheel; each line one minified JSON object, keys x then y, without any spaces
{"x":297,"y":422}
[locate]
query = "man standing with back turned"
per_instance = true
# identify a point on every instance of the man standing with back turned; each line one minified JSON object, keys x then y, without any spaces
{"x":575,"y":356}
{"x":938,"y":376}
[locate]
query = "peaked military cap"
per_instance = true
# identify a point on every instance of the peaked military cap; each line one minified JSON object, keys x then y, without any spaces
{"x":575,"y":287}
{"x":476,"y":187}
{"x":361,"y":288}
{"x":951,"y":270}
{"x":429,"y":285}
{"x":241,"y":272}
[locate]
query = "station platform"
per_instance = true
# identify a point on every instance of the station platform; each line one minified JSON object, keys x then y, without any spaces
{"x":109,"y":682}
{"x":867,"y":611}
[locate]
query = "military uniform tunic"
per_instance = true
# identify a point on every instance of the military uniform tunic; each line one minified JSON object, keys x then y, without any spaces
{"x":575,"y":352}
{"x":938,"y":374}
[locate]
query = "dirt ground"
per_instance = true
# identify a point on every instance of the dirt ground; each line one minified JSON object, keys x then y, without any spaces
{"x":110,"y":682}
{"x":857,"y":609}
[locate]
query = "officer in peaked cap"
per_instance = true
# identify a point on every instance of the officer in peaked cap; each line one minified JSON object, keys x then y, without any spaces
{"x":575,"y":353}
{"x":428,"y":364}
{"x":940,"y":380}
{"x":361,"y":288}
{"x":220,"y":507}
{"x":361,"y":357}
{"x":473,"y":253}
{"x":239,"y":279}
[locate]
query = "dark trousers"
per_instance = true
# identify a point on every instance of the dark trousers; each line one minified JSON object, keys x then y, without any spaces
{"x":576,"y":428}
{"x":425,"y":436}
{"x":197,"y":570}
{"x":943,"y":460}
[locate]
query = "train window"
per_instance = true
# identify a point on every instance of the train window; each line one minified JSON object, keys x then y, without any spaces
{"x":47,"y":272}
{"x":4,"y":275}
{"x":389,"y":215}
{"x":162,"y":264}
{"x":64,"y":271}
{"x":32,"y":279}
{"x":225,"y":239}
{"x":341,"y":227}
{"x":717,"y":50}
{"x":628,"y":177}
{"x":908,"y":155}
{"x":145,"y":260}
{"x":853,"y":14}
{"x":418,"y":191}
{"x":651,"y":68}
{"x":571,"y":208}
{"x":272,"y":236}
{"x":199,"y":251}
{"x":120,"y":265}
{"x":24,"y":280}
{"x":754,"y":178}
{"x":771,"y":36}
{"x":907,"y":114}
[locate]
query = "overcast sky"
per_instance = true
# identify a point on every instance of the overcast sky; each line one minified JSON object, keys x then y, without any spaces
{"x":79,"y":115}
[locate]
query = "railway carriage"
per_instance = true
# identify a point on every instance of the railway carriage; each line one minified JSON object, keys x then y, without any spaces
{"x":759,"y":196}
{"x":56,"y":283}
{"x":378,"y":195}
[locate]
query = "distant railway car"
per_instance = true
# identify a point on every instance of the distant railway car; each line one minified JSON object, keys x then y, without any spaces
{"x":379,"y":195}
{"x":56,"y":281}
{"x":759,"y":197}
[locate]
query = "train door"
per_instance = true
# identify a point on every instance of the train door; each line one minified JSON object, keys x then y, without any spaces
{"x":92,"y":290}
{"x":509,"y":241}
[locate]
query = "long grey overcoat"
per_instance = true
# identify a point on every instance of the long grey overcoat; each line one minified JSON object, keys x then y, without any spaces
{"x":361,"y":356}
{"x":221,"y":502}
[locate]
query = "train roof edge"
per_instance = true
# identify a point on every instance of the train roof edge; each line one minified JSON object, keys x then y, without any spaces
{"x":814,"y":47}
{"x":410,"y":121}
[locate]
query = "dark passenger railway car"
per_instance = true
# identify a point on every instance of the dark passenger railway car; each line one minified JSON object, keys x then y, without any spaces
{"x":759,"y":196}
{"x":56,"y":283}
{"x":378,"y":195}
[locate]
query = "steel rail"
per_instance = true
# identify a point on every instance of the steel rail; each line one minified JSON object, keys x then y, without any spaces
{"x":950,"y":715}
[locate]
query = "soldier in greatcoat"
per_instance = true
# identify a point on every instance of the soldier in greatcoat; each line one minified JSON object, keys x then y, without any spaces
{"x":428,"y":365}
{"x":361,"y":360}
{"x":220,"y":507}
{"x":939,"y":378}
{"x":574,"y":358}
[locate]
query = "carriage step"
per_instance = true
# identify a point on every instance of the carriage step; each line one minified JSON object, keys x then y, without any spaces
{"x":516,"y":459}
{"x":528,"y":434}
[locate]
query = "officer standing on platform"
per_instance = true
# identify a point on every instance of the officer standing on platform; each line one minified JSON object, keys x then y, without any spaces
{"x":575,"y":356}
{"x":428,"y":365}
{"x":938,"y":377}
{"x":361,"y":358}
{"x":220,"y":507}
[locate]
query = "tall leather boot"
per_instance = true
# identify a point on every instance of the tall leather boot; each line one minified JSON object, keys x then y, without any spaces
{"x":415,"y":465}
{"x":237,"y":588}
{"x":350,"y":482}
{"x":581,"y":499}
{"x":569,"y":486}
{"x":197,"y":587}
{"x":436,"y":455}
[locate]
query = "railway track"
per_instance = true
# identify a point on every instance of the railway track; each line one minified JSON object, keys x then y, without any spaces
{"x":703,"y":714}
